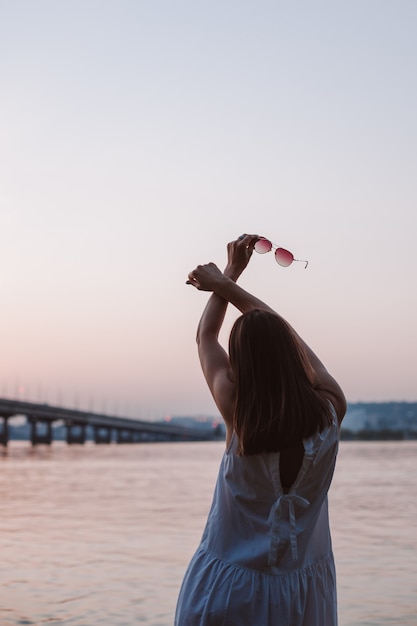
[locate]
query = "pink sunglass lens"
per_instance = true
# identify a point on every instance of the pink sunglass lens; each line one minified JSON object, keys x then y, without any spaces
{"x":263,"y":245}
{"x":283,"y":257}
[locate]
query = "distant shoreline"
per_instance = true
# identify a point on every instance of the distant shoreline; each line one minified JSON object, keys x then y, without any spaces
{"x":364,"y":421}
{"x":377,"y":435}
{"x":345,"y":435}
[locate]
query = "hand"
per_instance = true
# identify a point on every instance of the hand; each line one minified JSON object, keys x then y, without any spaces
{"x":239,"y":253}
{"x":205,"y":277}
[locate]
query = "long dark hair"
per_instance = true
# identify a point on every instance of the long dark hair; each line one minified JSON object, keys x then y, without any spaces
{"x":276,"y":404}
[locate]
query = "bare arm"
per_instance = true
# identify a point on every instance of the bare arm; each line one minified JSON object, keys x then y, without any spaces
{"x":214,"y":360}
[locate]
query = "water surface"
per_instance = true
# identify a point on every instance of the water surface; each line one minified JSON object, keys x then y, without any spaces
{"x":102,"y":534}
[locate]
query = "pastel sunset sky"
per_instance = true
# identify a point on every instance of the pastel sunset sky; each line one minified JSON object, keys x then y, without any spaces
{"x":138,"y":137}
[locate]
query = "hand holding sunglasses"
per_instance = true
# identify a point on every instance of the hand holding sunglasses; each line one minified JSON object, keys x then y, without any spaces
{"x":282,"y":257}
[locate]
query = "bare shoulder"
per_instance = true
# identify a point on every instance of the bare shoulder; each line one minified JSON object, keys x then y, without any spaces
{"x":338,"y":400}
{"x":331,"y":390}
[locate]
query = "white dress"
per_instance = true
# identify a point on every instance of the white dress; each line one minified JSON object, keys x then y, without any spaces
{"x":265,"y":558}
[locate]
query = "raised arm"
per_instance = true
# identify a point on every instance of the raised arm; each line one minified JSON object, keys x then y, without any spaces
{"x":209,"y":278}
{"x":214,"y":360}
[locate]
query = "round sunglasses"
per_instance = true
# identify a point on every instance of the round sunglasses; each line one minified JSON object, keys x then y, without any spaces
{"x":282,"y":257}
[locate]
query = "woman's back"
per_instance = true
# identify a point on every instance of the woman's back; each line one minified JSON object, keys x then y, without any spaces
{"x":290,"y":462}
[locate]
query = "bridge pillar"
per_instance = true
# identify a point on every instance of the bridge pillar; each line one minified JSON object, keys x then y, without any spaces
{"x":35,"y":436}
{"x":124,"y":436}
{"x":102,"y":434}
{"x":4,"y":432}
{"x":75,"y":432}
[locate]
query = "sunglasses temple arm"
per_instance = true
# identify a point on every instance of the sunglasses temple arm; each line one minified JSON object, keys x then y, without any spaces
{"x":302,"y":261}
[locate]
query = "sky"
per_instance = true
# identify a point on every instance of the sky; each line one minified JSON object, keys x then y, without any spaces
{"x":138,"y":137}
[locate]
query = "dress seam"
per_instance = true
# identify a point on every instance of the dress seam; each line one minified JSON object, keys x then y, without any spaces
{"x":287,"y":573}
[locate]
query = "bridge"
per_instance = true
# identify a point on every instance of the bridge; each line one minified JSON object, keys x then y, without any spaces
{"x":41,"y":418}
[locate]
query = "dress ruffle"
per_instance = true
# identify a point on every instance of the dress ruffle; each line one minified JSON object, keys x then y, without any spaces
{"x":217,"y":593}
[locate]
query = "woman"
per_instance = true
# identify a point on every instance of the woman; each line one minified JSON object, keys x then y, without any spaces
{"x":265,"y":557}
